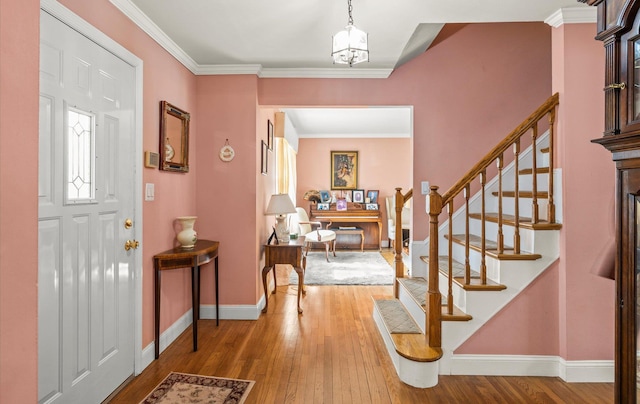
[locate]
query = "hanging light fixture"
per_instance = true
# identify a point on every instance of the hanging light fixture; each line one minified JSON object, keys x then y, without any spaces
{"x":350,"y":45}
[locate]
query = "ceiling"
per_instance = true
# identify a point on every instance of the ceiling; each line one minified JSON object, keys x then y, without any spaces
{"x":285,"y":38}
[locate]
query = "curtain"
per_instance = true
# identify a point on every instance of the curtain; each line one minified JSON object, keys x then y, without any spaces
{"x":285,"y":169}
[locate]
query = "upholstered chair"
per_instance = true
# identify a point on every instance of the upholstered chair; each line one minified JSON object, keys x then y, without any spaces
{"x":319,"y":235}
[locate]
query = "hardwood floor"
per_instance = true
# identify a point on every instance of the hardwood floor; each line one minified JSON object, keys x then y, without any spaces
{"x":332,"y":353}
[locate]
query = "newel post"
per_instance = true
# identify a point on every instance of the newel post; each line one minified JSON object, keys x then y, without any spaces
{"x":434,"y":299}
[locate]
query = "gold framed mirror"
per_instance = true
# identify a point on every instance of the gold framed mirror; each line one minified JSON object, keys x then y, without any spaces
{"x":174,"y":138}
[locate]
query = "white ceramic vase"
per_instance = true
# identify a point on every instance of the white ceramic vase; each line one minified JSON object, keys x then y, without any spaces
{"x":188,"y":236}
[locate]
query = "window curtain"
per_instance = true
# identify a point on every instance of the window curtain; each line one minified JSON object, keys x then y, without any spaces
{"x":285,"y":169}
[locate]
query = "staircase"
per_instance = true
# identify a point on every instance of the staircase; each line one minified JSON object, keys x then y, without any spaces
{"x":489,"y":247}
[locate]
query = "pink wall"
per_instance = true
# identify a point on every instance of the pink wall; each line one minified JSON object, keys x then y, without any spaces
{"x":569,"y":310}
{"x":462,"y":106}
{"x":384,"y":164}
{"x":19,"y":56}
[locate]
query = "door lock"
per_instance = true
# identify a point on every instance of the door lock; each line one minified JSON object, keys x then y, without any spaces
{"x":131,"y":244}
{"x":128,"y":224}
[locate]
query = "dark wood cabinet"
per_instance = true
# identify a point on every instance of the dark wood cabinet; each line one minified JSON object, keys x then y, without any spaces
{"x":619,"y":29}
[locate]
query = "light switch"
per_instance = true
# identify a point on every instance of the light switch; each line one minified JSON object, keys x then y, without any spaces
{"x":424,"y":187}
{"x":150,"y":191}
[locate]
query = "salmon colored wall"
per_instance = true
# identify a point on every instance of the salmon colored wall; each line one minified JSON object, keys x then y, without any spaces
{"x":465,"y":98}
{"x":384,"y":164}
{"x":175,"y":193}
{"x":569,"y":310}
{"x":19,"y":61}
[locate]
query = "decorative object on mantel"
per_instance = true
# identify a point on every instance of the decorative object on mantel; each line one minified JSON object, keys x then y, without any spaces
{"x":280,"y":205}
{"x":188,"y":236}
{"x":226,"y":152}
{"x":313,"y":195}
{"x":350,"y":46}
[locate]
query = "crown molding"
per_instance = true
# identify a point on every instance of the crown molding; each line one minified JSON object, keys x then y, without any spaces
{"x":326,"y":73}
{"x":572,"y":15}
{"x":213,"y":70}
{"x":144,"y":23}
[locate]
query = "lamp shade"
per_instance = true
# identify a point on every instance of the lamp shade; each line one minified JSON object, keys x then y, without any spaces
{"x":280,"y":204}
{"x":350,"y":46}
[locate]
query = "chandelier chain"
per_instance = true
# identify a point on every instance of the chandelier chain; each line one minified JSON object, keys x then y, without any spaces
{"x":350,"y":16}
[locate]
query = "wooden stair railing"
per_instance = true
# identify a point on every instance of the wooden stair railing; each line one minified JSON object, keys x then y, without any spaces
{"x":479,"y":171}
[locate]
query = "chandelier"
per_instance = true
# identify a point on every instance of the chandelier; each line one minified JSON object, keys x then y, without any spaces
{"x":350,"y":45}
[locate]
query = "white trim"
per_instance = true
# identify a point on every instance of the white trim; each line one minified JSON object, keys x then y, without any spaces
{"x":167,"y":337}
{"x":572,"y":15}
{"x":595,"y":371}
{"x":76,"y":22}
{"x":235,"y":312}
{"x":147,"y":25}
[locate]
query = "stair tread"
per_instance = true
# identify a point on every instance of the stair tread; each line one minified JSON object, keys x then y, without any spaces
{"x":458,"y":270}
{"x":539,"y":170}
{"x":491,"y":248}
{"x":417,"y":288}
{"x":522,"y":194}
{"x":524,"y":222}
{"x":413,"y":346}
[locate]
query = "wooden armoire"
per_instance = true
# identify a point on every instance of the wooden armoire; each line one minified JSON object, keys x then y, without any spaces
{"x":619,"y":30}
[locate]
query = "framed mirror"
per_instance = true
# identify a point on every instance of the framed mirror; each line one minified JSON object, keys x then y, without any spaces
{"x":174,"y":138}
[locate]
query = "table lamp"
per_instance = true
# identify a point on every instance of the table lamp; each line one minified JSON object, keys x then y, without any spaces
{"x":280,"y":205}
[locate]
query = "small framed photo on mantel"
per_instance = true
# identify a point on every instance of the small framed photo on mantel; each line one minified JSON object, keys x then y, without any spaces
{"x":341,"y":204}
{"x":371,"y":206}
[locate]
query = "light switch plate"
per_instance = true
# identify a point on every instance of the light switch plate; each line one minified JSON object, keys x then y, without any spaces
{"x":149,"y":192}
{"x":424,"y":187}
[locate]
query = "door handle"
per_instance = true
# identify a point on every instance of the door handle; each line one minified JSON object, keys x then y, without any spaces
{"x":131,"y":244}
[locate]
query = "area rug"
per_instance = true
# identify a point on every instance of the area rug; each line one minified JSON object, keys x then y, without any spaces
{"x":347,"y":268}
{"x":179,"y":388}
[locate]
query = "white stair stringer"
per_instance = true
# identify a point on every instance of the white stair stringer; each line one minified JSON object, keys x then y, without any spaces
{"x":414,"y":373}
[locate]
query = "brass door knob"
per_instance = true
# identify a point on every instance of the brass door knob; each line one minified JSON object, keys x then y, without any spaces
{"x":131,"y":244}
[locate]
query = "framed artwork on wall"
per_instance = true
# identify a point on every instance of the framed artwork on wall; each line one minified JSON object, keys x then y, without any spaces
{"x":269,"y":134}
{"x":344,"y":170}
{"x":264,"y":159}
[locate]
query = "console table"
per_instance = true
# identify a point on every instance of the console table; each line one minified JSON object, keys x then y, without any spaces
{"x":202,"y":253}
{"x":368,"y":220}
{"x":284,"y":254}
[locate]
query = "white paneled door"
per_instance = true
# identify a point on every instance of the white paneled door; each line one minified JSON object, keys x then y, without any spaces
{"x":86,"y":215}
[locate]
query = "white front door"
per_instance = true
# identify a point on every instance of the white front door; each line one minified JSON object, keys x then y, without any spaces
{"x":86,"y":194}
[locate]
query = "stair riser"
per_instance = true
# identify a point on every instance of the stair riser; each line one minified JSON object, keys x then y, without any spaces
{"x":412,"y":307}
{"x":525,"y":183}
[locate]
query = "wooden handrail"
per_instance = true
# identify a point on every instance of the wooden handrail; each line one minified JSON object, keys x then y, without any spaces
{"x":527,"y":124}
{"x":436,"y":202}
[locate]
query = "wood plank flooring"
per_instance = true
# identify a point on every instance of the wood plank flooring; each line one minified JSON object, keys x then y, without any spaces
{"x":332,"y":353}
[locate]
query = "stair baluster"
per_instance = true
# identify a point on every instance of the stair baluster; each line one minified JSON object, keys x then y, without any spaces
{"x":500,"y":234}
{"x":534,"y":174}
{"x":551,"y":207}
{"x":467,"y":264}
{"x":516,"y":209}
{"x":450,"y":263}
{"x":483,"y":231}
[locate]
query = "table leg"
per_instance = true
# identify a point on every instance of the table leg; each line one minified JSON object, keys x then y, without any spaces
{"x":217,"y":303}
{"x":265,"y":272}
{"x":300,"y":272}
{"x":362,"y":241}
{"x":195,"y":294}
{"x":156,"y":278}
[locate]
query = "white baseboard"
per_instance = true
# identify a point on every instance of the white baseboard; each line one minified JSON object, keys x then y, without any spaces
{"x":600,"y":371}
{"x":207,"y":312}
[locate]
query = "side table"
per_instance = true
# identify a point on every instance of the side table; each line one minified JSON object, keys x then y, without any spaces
{"x":284,"y":254}
{"x":202,"y":253}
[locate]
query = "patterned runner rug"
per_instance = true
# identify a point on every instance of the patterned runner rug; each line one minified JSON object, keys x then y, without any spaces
{"x":347,"y":268}
{"x":179,"y":388}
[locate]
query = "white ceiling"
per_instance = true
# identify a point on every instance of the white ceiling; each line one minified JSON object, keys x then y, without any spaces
{"x":292,"y":38}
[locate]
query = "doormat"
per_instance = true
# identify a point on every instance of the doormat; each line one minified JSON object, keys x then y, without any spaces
{"x":347,"y":268}
{"x":179,"y":388}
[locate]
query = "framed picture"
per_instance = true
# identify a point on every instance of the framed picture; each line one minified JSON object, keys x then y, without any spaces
{"x":341,"y":204}
{"x":347,"y":195}
{"x":325,"y":196}
{"x":323,"y":206}
{"x":358,"y":196}
{"x":371,"y":206}
{"x":372,"y":194}
{"x":269,"y":134}
{"x":264,"y":159}
{"x":344,"y":169}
